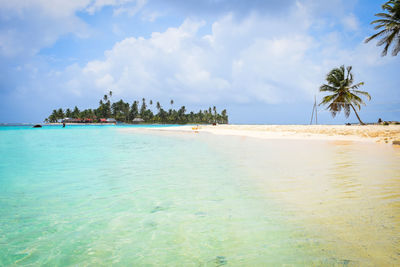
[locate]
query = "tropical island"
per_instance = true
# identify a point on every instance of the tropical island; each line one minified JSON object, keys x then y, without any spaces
{"x":123,"y":112}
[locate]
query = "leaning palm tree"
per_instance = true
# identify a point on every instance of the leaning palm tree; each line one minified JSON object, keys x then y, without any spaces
{"x":389,"y":26}
{"x":344,"y":93}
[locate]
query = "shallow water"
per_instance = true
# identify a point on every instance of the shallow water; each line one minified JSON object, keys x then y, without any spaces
{"x":93,"y":196}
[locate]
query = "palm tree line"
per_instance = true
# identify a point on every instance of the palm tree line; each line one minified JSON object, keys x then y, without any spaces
{"x":124,"y":112}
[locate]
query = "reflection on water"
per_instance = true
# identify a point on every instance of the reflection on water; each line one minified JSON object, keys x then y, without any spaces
{"x":345,"y":194}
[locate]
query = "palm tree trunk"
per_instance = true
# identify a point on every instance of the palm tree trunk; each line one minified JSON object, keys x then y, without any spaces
{"x":357,"y":115}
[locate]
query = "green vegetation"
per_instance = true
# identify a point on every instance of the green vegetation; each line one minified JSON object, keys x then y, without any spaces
{"x":344,"y":93}
{"x":389,"y":26}
{"x":124,"y":112}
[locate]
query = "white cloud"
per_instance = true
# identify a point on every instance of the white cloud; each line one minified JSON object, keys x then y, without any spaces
{"x":31,"y":25}
{"x":240,"y":61}
{"x":350,"y":22}
{"x":63,"y":8}
{"x":117,"y":30}
{"x":54,"y":8}
{"x":105,"y":82}
{"x":151,"y":16}
{"x":120,"y":6}
{"x":255,"y":59}
{"x":132,"y":9}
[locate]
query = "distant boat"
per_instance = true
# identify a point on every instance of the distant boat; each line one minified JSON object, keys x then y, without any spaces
{"x":37,"y":126}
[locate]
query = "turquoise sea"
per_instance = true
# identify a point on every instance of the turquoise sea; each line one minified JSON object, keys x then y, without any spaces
{"x":115,"y":196}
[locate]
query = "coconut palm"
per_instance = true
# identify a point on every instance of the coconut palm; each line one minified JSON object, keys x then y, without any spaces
{"x":110,"y":94}
{"x":344,"y":93}
{"x":389,"y":26}
{"x":215,"y":113}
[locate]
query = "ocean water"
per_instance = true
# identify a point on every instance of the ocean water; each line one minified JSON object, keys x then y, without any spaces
{"x":101,"y":196}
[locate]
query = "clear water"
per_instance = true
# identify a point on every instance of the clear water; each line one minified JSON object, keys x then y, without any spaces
{"x":100,"y":196}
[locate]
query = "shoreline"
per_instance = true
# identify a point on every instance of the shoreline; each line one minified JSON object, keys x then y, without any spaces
{"x":366,"y":133}
{"x":80,"y":123}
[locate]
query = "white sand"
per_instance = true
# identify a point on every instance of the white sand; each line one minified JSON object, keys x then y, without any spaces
{"x":367,"y":133}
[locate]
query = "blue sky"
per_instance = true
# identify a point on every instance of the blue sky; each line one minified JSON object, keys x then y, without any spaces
{"x":262,"y":60}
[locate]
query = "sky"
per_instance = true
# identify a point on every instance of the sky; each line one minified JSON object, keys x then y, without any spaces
{"x":262,"y":60}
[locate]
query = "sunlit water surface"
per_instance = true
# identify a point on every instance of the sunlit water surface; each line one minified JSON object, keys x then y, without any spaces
{"x":100,"y":196}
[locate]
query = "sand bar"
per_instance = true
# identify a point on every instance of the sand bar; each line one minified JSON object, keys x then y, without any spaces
{"x":367,"y":133}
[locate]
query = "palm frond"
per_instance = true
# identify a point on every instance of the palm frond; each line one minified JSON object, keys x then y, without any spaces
{"x":334,"y":109}
{"x":387,"y":40}
{"x":382,"y":15}
{"x":389,"y":26}
{"x":384,"y":21}
{"x":349,"y":75}
{"x":362,"y":93}
{"x":385,"y":49}
{"x":355,"y":99}
{"x":376,"y":35}
{"x":346,"y":110}
{"x":377,"y":27}
{"x":396,"y":48}
{"x":327,"y":88}
{"x":356,"y":86}
{"x":327,"y":99}
{"x":335,"y":77}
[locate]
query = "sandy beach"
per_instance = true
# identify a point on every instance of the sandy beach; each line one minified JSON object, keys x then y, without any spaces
{"x":367,"y":133}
